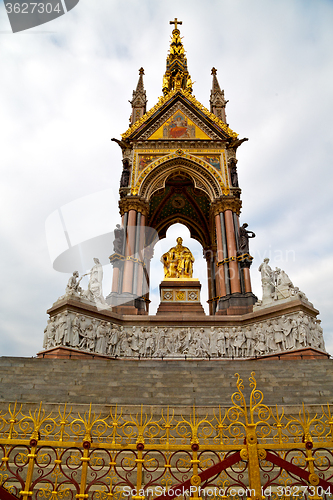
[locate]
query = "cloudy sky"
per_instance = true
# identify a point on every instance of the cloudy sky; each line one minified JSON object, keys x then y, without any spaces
{"x":64,"y":92}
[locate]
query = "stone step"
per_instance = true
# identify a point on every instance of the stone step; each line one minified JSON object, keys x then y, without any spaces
{"x":167,"y":382}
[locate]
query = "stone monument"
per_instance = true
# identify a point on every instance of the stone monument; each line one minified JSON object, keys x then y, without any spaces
{"x":179,"y":165}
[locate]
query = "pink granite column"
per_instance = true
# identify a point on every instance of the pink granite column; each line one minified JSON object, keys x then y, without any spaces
{"x":115,"y":279}
{"x":247,"y":279}
{"x":220,"y":281}
{"x":232,"y":252}
{"x":130,"y":249}
{"x":140,"y":290}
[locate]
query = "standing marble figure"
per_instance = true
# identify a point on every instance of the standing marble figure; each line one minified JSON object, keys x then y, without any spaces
{"x":95,"y":291}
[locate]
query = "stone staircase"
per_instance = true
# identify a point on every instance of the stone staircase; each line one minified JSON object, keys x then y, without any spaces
{"x":167,"y":382}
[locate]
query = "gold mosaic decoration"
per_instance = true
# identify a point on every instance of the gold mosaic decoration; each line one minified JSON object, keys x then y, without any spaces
{"x":176,"y":154}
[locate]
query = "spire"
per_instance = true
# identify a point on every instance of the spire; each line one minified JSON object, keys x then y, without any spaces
{"x":139,"y":100}
{"x":217,"y":100}
{"x":176,"y":75}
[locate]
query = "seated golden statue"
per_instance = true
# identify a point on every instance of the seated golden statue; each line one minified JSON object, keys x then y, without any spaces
{"x":178,"y":261}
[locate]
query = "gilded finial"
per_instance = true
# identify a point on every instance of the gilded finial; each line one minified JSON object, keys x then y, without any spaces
{"x":176,"y":76}
{"x":141,"y":71}
{"x":176,"y":22}
{"x":214,"y":71}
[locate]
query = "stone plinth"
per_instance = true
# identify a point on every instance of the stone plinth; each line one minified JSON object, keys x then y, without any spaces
{"x":236,"y":304}
{"x":180,"y":296}
{"x":77,"y":326}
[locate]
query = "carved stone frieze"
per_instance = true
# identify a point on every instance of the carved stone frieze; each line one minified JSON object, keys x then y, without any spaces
{"x":279,"y":334}
{"x":226,"y":203}
{"x":170,"y":145}
{"x":133,"y":203}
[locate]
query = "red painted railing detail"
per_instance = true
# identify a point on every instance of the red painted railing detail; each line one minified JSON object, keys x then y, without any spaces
{"x":294,"y":469}
{"x":204,"y":475}
{"x":6,"y":495}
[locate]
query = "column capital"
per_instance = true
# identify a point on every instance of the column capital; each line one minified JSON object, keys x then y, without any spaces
{"x":226,"y":203}
{"x":133,"y":203}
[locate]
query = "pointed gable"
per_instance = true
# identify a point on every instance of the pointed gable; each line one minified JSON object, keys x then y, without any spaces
{"x":203,"y":120}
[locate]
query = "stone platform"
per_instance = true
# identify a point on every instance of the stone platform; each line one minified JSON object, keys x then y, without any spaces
{"x":167,"y":382}
{"x":180,"y":297}
{"x":76,"y":325}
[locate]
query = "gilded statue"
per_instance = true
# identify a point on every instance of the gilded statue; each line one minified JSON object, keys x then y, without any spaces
{"x":178,"y":261}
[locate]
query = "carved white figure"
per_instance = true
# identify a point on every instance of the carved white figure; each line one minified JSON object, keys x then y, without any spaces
{"x":46,"y":333}
{"x":142,"y":341}
{"x":52,"y":333}
{"x":213,"y":342}
{"x":221,"y":342}
{"x":149,"y":343}
{"x":278,"y":334}
{"x":68,"y":329}
{"x":267,"y":277}
{"x":260,"y":344}
{"x":73,"y":285}
{"x":169,"y":340}
{"x":319,"y":334}
{"x":125,"y":348}
{"x":270,"y":341}
{"x":135,"y":341}
{"x":231,"y":344}
{"x":249,"y":336}
{"x":76,"y":331}
{"x":60,"y":332}
{"x":113,"y":341}
{"x":160,"y":343}
{"x":201,"y":342}
{"x":283,"y":279}
{"x":299,"y":294}
{"x":227,"y":342}
{"x":303,"y":324}
{"x":83,"y":333}
{"x":289,"y":333}
{"x":239,"y":341}
{"x":95,"y":290}
{"x":193,"y":349}
{"x":101,"y":338}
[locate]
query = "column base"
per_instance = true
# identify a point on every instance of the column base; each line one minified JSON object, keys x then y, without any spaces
{"x":236,"y":304}
{"x":126,"y":303}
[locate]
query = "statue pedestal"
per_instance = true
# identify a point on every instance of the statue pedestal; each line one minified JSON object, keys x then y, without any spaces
{"x":180,"y":296}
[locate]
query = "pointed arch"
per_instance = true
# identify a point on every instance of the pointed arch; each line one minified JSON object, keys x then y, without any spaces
{"x":202,"y":178}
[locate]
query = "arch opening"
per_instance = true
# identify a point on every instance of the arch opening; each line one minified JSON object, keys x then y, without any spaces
{"x":202,"y":178}
{"x":180,"y":202}
{"x":156,"y":267}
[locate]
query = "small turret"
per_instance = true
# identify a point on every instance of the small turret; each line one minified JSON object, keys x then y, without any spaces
{"x":139,"y":100}
{"x":217,"y":100}
{"x":176,"y":76}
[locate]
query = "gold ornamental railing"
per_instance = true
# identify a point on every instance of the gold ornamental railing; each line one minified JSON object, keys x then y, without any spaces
{"x":248,"y":450}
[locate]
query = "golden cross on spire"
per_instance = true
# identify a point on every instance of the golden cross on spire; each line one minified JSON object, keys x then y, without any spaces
{"x":175,"y":22}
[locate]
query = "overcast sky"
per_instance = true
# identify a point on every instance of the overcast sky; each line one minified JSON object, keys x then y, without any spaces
{"x":64,"y":92}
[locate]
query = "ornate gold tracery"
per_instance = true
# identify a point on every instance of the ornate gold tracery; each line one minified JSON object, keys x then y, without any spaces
{"x":204,"y":177}
{"x":62,"y":453}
